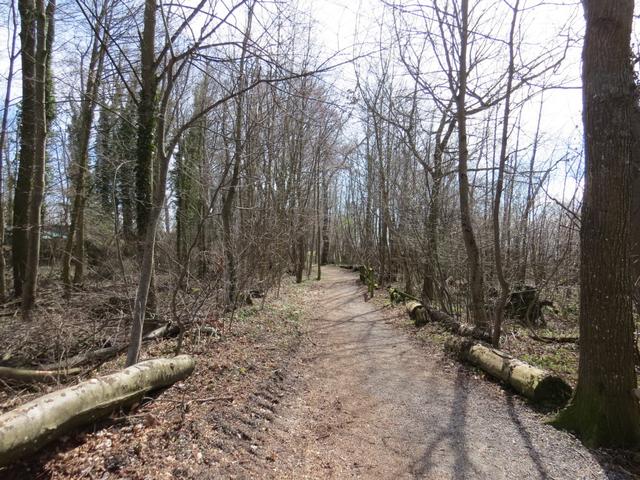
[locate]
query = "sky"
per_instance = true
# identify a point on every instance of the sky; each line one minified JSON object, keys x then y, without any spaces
{"x":352,"y":27}
{"x":343,"y":24}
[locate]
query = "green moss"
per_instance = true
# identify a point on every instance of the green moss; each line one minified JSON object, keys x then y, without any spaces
{"x":560,"y":360}
{"x":599,"y":423}
{"x":247,"y":312}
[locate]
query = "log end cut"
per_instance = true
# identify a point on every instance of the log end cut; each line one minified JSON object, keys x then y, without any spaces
{"x":553,"y":391}
{"x":418,"y":313}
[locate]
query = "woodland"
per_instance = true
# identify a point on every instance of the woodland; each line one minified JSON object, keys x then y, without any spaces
{"x":176,"y":178}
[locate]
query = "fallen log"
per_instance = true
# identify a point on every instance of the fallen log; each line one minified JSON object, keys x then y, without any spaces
{"x":398,"y":296}
{"x":459,"y":328}
{"x":417,"y":312}
{"x":532,"y":382}
{"x":32,"y":425}
{"x":167,"y":330}
{"x":23,"y":375}
{"x":421,"y":315}
{"x":554,"y":339}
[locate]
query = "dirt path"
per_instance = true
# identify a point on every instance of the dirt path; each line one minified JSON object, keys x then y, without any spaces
{"x":374,"y":404}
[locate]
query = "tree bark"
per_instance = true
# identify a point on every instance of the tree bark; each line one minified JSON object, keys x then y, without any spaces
{"x":3,"y":135}
{"x":604,"y":411}
{"x":147,"y":113}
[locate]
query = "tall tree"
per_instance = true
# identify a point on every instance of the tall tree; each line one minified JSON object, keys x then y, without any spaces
{"x":229,"y":197}
{"x":604,"y":410}
{"x":27,"y":133}
{"x":40,"y":112}
{"x":476,"y":281}
{"x":82,"y":125}
{"x":497,"y":243}
{"x":13,"y":55}
{"x":147,"y":113}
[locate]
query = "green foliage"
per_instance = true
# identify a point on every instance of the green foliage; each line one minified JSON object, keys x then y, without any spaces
{"x":115,"y":152}
{"x":188,"y":188}
{"x":559,"y":360}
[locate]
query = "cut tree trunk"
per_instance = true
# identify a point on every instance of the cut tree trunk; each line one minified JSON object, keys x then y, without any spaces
{"x":418,"y":313}
{"x":536,"y":384}
{"x":421,"y":315}
{"x":459,"y":328}
{"x":400,"y":296}
{"x":29,"y":427}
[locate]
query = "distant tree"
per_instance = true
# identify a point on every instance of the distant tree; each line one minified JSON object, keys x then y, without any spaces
{"x":189,"y":157}
{"x":82,"y":123}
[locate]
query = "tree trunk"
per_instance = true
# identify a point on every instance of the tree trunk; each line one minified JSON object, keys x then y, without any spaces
{"x":31,"y":426}
{"x":325,"y":223}
{"x":147,"y":112}
{"x":497,"y":241}
{"x":27,"y":152}
{"x":74,"y":248}
{"x":145,"y":146}
{"x":603,"y":411}
{"x":300,"y":249}
{"x":44,"y":40}
{"x":3,"y":135}
{"x":476,"y":281}
{"x":531,"y":195}
{"x":227,"y":202}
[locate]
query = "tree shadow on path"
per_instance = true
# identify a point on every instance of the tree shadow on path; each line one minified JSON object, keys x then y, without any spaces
{"x":453,"y":434}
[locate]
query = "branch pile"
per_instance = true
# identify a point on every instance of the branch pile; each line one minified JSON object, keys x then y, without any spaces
{"x":54,"y":372}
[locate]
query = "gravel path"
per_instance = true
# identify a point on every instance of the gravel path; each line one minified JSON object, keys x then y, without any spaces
{"x":375,"y":404}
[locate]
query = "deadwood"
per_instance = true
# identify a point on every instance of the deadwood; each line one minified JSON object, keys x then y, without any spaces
{"x":532,"y":382}
{"x":34,"y":424}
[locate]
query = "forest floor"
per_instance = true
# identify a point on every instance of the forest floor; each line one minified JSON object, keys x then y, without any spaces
{"x":321,"y":384}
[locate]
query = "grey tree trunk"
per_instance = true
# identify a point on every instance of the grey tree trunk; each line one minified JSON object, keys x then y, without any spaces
{"x":497,"y":242}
